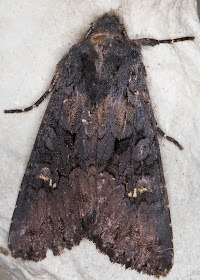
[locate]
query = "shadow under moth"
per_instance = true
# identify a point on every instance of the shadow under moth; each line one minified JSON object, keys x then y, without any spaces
{"x":95,"y":170}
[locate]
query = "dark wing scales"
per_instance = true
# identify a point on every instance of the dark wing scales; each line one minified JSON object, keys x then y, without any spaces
{"x":132,"y":225}
{"x":45,"y":217}
{"x":95,"y":170}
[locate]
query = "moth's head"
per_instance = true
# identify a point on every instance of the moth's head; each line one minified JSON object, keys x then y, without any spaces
{"x":109,"y":24}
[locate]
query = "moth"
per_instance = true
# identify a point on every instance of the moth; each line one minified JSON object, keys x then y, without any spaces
{"x":95,"y":170}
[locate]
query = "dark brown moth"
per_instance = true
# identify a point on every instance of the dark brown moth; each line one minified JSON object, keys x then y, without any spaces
{"x":95,"y":170}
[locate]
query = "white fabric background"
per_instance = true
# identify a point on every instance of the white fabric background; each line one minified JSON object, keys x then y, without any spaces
{"x":34,"y":36}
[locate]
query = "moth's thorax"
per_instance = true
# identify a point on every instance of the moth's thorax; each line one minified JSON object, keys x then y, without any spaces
{"x":103,"y":40}
{"x":104,"y":61}
{"x":103,"y":64}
